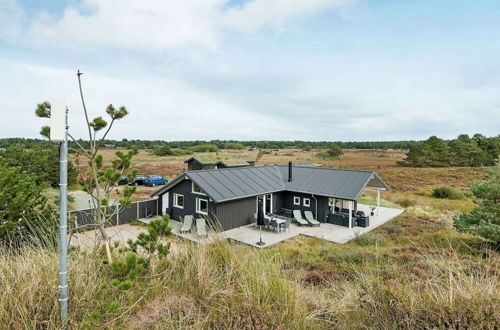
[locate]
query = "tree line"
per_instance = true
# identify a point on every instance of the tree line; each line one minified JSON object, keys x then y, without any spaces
{"x":474,"y":151}
{"x":220,"y":144}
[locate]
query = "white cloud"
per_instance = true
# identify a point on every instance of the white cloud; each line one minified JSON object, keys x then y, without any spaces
{"x":159,"y":108}
{"x":258,"y":14}
{"x":146,"y":24}
{"x":10,"y":18}
{"x":151,"y":24}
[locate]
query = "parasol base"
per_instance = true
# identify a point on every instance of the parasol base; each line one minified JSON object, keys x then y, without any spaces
{"x":260,"y":243}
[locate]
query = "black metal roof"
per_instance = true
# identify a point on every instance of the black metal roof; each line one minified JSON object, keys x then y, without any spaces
{"x":227,"y":184}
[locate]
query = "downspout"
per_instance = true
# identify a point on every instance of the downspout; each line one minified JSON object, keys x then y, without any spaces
{"x":316,"y":206}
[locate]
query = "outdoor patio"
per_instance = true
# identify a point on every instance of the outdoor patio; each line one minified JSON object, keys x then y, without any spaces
{"x":333,"y":233}
{"x":250,"y":234}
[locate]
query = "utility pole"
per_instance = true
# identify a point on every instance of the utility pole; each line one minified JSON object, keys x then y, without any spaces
{"x":63,"y":221}
{"x":59,"y":133}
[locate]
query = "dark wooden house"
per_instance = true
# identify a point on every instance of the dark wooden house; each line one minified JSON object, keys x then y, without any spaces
{"x":229,"y":196}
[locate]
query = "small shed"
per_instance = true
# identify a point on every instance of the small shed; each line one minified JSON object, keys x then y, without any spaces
{"x":195,"y":164}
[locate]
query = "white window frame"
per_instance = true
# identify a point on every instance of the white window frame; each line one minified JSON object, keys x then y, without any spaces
{"x":296,"y":200}
{"x":175,"y":201}
{"x":195,"y":192}
{"x":198,"y":206}
{"x":308,"y":204}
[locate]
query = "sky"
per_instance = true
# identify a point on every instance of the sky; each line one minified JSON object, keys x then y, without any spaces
{"x":318,"y":70}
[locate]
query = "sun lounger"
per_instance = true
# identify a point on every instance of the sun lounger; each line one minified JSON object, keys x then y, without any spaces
{"x":188,"y":222}
{"x":310,"y":218}
{"x":298,"y":218}
{"x":201,"y":227}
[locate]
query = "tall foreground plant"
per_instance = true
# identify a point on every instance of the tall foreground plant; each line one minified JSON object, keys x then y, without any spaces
{"x":98,"y":181}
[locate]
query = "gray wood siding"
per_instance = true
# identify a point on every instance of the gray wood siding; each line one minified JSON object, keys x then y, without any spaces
{"x":285,"y":200}
{"x":236,"y":213}
{"x":184,"y":188}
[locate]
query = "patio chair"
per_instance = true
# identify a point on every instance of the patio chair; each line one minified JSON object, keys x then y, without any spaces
{"x":267,"y":223}
{"x":201,"y":227}
{"x":298,"y":218}
{"x":310,"y":218}
{"x":273,"y":224}
{"x":285,"y":225}
{"x":188,"y":222}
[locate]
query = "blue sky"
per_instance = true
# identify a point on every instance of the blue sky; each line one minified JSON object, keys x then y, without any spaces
{"x":257,"y":69}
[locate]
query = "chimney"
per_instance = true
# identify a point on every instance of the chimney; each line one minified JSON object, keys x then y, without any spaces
{"x":290,"y":178}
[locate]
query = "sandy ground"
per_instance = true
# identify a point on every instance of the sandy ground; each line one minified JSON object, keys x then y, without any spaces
{"x":121,"y":234}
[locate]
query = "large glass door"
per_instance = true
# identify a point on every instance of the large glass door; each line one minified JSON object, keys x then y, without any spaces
{"x":267,"y":203}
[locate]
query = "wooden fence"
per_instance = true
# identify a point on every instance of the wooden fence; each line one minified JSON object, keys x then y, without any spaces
{"x":136,"y":210}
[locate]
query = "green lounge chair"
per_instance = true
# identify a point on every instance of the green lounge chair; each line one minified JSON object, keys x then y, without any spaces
{"x":310,"y":218}
{"x":298,"y":218}
{"x":188,"y":222}
{"x":201,"y":227}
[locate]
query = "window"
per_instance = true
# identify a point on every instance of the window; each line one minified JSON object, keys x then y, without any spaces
{"x":196,"y":189}
{"x":296,"y":200}
{"x":179,"y":201}
{"x":201,"y":206}
{"x":307,"y":202}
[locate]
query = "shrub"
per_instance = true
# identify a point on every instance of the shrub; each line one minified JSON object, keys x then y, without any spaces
{"x":393,"y":229}
{"x":405,"y":202}
{"x":333,"y":152}
{"x":484,"y":220}
{"x":233,"y":145}
{"x":371,"y":239}
{"x":446,"y":192}
{"x":167,"y":151}
{"x":42,"y":164}
{"x":205,"y":148}
{"x":26,"y":216}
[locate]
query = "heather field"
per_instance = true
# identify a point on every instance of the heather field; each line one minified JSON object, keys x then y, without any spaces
{"x":405,"y":182}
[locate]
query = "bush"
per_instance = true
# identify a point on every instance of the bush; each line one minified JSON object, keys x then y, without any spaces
{"x":446,"y":192}
{"x":393,"y":229}
{"x":484,"y":220}
{"x":205,"y":148}
{"x":233,"y":145}
{"x":405,"y":202}
{"x":167,"y":151}
{"x":26,"y":217}
{"x":42,"y":164}
{"x":371,"y":239}
{"x":333,"y":152}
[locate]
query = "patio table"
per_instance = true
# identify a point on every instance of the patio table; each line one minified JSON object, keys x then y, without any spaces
{"x":279,"y":222}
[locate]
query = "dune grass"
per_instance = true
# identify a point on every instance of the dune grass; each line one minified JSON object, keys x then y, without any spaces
{"x":218,"y":286}
{"x":416,"y":272}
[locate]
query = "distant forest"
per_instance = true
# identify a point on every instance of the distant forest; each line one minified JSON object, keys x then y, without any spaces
{"x":221,"y":144}
{"x":474,"y":151}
